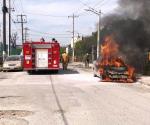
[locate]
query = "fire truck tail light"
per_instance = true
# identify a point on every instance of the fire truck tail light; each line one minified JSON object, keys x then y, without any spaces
{"x":27,"y":62}
{"x":27,"y":52}
{"x":54,"y":62}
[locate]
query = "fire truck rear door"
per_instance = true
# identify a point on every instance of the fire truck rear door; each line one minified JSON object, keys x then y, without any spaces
{"x":41,"y":58}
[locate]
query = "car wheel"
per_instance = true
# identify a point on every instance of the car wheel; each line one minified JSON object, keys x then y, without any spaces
{"x":94,"y":75}
{"x":55,"y":71}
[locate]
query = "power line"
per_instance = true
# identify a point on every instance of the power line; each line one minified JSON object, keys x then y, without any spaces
{"x":16,"y":8}
{"x":23,"y":19}
{"x":98,"y":3}
{"x":85,"y":5}
{"x":19,"y":6}
{"x":14,"y":22}
{"x":104,"y":3}
{"x":81,"y":8}
{"x":46,"y":15}
{"x":39,"y":32}
{"x":22,"y":6}
{"x":50,"y":36}
{"x":99,"y":28}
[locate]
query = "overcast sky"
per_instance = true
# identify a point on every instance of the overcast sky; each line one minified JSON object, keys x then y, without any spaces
{"x":49,"y":18}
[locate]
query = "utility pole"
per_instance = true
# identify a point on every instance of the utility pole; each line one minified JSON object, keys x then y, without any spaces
{"x":99,"y":35}
{"x":22,"y":20}
{"x":92,"y":53}
{"x":9,"y":43}
{"x":5,"y":10}
{"x":0,"y":34}
{"x":26,"y":33}
{"x":0,"y":40}
{"x":99,"y":13}
{"x":73,"y":17}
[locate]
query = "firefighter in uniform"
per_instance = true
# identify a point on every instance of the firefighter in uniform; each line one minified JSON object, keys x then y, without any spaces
{"x":65,"y":60}
{"x":42,"y":40}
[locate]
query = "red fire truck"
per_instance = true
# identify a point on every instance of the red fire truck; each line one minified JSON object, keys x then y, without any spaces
{"x":41,"y":56}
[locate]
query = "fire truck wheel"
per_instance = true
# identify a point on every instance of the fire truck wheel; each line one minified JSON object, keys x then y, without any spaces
{"x":55,"y":71}
{"x":29,"y":72}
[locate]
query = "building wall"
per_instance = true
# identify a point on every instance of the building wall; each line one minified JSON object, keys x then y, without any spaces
{"x":76,"y":39}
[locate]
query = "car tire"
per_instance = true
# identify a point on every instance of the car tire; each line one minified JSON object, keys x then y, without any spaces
{"x":94,"y":75}
{"x":55,"y":71}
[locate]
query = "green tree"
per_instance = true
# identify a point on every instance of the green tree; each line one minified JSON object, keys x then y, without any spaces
{"x":16,"y":51}
{"x":85,"y":46}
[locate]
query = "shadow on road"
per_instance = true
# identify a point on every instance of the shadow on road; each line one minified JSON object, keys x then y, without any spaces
{"x":2,"y":78}
{"x":69,"y":71}
{"x":14,"y":71}
{"x":60,"y":72}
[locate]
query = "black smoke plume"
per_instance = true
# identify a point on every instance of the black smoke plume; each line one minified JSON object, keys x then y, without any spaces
{"x":130,"y":27}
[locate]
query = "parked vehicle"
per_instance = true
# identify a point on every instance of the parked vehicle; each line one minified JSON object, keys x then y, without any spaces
{"x":13,"y":62}
{"x":41,"y":56}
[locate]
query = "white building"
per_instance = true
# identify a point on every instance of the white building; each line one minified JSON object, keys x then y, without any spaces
{"x":76,"y":39}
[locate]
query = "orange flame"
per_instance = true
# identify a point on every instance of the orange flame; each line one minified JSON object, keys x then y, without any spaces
{"x":110,"y":57}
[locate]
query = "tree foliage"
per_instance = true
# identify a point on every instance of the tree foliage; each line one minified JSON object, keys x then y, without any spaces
{"x":16,"y":51}
{"x":85,"y":46}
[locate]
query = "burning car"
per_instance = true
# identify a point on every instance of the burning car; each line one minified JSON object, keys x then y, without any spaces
{"x":117,"y":70}
{"x":111,"y":67}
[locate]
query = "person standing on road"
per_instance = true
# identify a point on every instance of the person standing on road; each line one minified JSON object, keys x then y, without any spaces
{"x":87,"y":60}
{"x":65,"y":60}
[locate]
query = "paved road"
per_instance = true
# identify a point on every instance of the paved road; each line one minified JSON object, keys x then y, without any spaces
{"x":70,"y":98}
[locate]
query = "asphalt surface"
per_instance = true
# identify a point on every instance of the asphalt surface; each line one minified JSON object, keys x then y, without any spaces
{"x":72,"y":97}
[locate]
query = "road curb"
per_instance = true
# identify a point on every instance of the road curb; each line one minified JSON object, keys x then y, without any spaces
{"x":144,"y":83}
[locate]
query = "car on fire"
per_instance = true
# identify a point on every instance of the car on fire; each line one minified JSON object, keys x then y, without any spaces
{"x":13,"y":62}
{"x":113,"y":72}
